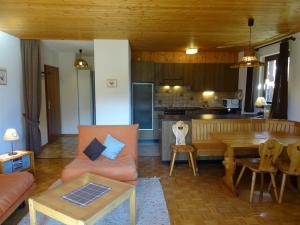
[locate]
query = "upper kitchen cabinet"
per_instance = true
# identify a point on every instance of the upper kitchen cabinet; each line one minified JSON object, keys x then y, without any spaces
{"x":199,"y":76}
{"x":142,"y":71}
{"x":169,"y":74}
{"x":211,"y":76}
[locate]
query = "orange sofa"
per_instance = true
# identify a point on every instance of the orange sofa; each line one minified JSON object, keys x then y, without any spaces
{"x":15,"y":188}
{"x":123,"y":168}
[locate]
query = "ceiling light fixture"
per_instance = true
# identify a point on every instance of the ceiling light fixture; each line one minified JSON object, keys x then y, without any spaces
{"x":80,"y":63}
{"x":249,"y":59}
{"x":191,"y":51}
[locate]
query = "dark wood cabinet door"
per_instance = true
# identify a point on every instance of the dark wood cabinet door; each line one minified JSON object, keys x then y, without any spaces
{"x":52,"y":102}
{"x":216,"y":77}
{"x":142,"y":71}
{"x":199,"y":76}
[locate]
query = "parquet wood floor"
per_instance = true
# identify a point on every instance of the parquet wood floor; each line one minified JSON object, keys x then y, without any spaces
{"x":62,"y":148}
{"x":202,"y":200}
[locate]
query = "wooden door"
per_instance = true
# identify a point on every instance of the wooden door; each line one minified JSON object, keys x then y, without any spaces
{"x":52,"y":102}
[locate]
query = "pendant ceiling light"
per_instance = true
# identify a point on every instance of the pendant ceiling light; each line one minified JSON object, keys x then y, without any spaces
{"x":80,"y":63}
{"x":249,"y":59}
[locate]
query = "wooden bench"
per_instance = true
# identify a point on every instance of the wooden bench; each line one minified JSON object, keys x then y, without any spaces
{"x":206,"y":146}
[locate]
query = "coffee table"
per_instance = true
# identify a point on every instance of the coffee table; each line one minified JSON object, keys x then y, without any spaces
{"x":52,"y":204}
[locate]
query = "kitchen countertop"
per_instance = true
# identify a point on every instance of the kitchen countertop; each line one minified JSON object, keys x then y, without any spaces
{"x":203,"y":116}
{"x":188,"y":108}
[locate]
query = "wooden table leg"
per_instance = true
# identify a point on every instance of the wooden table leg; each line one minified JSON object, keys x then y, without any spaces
{"x":32,"y":213}
{"x":195,"y":156}
{"x":192,"y":162}
{"x":229,"y":165}
{"x":172,"y":163}
{"x":132,"y":207}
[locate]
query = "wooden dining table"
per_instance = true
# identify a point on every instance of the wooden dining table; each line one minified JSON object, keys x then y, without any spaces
{"x":236,"y":141}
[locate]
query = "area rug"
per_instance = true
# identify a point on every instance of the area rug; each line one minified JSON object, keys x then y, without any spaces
{"x":151,"y":208}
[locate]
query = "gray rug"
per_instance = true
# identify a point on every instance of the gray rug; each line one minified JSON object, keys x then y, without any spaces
{"x":151,"y":208}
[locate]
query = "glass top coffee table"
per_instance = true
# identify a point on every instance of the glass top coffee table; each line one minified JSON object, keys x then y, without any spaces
{"x":52,"y":203}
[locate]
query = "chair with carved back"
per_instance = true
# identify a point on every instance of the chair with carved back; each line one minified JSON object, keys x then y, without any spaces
{"x":291,"y":167}
{"x":268,"y":152}
{"x":180,"y":129}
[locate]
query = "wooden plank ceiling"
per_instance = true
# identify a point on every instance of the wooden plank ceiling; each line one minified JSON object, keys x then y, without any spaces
{"x":152,"y":25}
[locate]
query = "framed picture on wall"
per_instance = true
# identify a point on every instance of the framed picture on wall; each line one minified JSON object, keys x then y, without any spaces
{"x":3,"y":76}
{"x":111,"y":83}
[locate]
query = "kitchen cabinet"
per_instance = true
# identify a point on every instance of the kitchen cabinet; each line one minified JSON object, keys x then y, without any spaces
{"x":199,"y":76}
{"x":142,"y":71}
{"x":169,"y":74}
{"x":211,"y":76}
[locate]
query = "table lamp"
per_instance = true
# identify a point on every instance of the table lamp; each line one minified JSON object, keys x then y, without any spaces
{"x":260,"y":103}
{"x":11,"y":135}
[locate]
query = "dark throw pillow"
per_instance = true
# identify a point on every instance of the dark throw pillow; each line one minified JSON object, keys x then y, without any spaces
{"x":94,"y":149}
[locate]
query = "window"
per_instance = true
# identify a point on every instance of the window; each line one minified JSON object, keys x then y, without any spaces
{"x":270,"y":75}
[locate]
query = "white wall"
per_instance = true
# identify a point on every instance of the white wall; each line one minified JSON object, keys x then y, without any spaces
{"x":48,"y":57}
{"x":112,"y":61}
{"x":85,"y":97}
{"x":294,"y":80}
{"x":60,"y":54}
{"x":11,"y":106}
{"x":68,"y":93}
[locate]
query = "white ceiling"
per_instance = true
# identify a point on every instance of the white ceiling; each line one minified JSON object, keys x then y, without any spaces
{"x":70,"y":46}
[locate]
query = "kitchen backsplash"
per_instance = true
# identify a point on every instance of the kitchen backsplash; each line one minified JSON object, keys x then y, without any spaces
{"x":182,"y":96}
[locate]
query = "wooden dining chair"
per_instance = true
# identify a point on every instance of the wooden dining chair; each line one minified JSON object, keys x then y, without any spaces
{"x":268,"y":152}
{"x":189,"y":151}
{"x":291,"y":167}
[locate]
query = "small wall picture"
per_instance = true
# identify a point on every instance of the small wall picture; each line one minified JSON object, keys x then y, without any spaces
{"x":3,"y":76}
{"x":111,"y":83}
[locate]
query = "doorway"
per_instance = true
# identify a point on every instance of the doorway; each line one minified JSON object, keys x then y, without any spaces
{"x":52,"y":102}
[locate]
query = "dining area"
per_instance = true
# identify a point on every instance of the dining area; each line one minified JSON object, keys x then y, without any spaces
{"x":266,"y":147}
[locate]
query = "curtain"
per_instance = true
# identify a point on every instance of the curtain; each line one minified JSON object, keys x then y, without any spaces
{"x":280,"y":95}
{"x":30,"y":50}
{"x":249,"y":106}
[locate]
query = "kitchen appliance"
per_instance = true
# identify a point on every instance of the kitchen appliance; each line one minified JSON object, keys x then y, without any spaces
{"x":231,"y":103}
{"x":142,"y":105}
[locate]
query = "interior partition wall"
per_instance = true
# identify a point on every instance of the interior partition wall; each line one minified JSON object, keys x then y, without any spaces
{"x":85,"y":96}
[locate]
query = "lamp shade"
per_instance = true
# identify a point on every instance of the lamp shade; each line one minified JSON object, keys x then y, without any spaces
{"x":11,"y":135}
{"x":80,"y":63}
{"x":260,"y":101}
{"x":249,"y":59}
